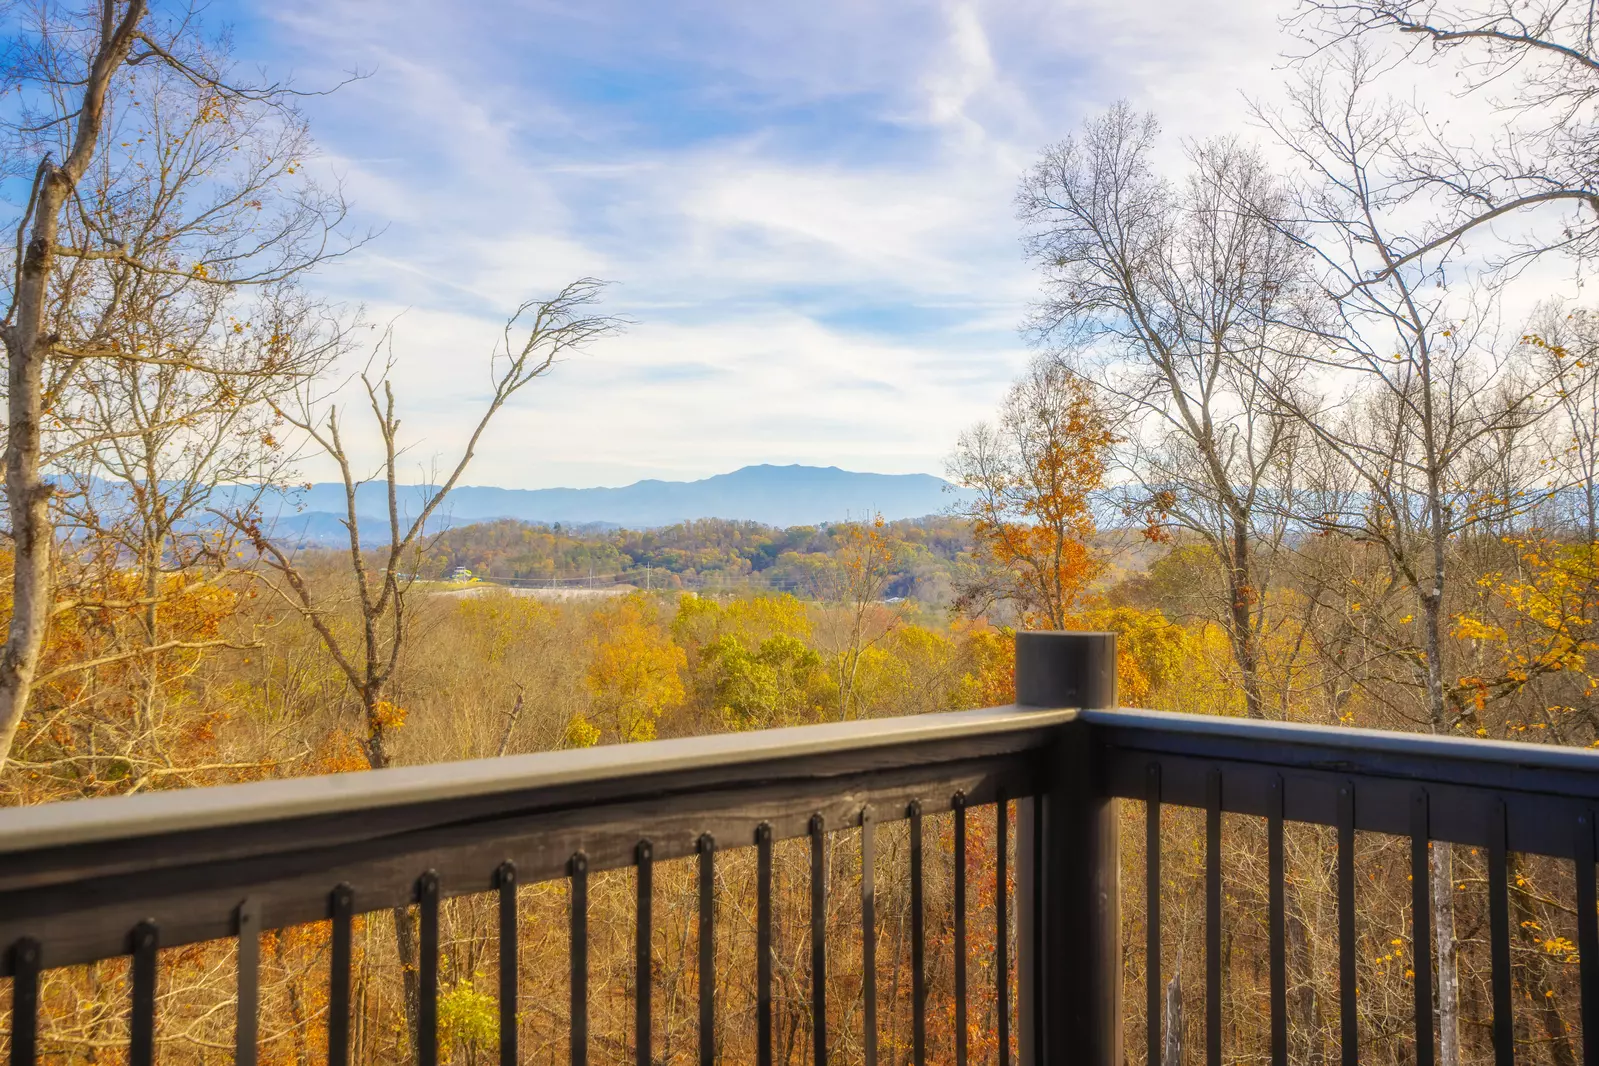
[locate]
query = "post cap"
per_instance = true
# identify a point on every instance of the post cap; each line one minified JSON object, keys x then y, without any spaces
{"x":1062,"y":669}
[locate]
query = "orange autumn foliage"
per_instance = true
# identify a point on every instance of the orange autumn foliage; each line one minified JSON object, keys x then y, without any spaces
{"x":1032,"y":476}
{"x":132,"y":651}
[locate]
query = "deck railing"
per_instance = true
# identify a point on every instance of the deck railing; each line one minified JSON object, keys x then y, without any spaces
{"x":97,"y":879}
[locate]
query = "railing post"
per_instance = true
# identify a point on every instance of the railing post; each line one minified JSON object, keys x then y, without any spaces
{"x":1069,"y":948}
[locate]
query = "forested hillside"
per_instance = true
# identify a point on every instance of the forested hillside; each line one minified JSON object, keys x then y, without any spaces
{"x":767,"y":494}
{"x":927,"y":555}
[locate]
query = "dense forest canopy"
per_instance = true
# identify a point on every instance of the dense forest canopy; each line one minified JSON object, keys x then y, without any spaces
{"x":706,"y":553}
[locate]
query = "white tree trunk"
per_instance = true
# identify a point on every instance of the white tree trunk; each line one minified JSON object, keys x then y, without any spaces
{"x":1443,"y":869}
{"x":1445,"y":950}
{"x":28,"y":345}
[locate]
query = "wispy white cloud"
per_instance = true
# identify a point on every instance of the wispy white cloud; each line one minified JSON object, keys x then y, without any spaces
{"x":807,"y":208}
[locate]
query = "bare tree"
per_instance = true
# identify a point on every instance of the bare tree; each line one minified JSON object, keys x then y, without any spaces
{"x":1423,"y":395}
{"x":137,"y":551}
{"x":1567,"y":341}
{"x":1533,"y":63}
{"x":381,"y":572}
{"x":158,"y":182}
{"x":1176,"y":300}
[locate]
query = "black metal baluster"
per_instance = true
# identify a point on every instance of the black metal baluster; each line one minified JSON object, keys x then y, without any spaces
{"x":818,"y":941}
{"x":579,"y":952}
{"x":1499,"y":937}
{"x":1348,"y":1017}
{"x":1279,"y":960}
{"x":958,"y":803}
{"x":25,"y":955}
{"x":868,"y":938}
{"x":247,"y":1016}
{"x":1037,"y":931}
{"x":707,"y":974}
{"x":1002,"y":923}
{"x":643,"y":976}
{"x":341,"y":902}
{"x":505,"y":880}
{"x":1587,"y":938}
{"x":1152,"y":912}
{"x":918,"y":975}
{"x":1213,"y":918}
{"x":763,"y":945}
{"x":141,"y":1024}
{"x":1421,"y":923}
{"x":427,"y":1035}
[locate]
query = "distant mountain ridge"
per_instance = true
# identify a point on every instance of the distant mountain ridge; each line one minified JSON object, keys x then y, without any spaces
{"x":772,"y":495}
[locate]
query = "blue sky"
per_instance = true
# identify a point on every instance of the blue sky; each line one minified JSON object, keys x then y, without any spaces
{"x":805,"y":207}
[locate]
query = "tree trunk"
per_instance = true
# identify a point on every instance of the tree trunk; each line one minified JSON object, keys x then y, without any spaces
{"x":28,"y":500}
{"x":1172,"y":1053}
{"x":405,"y":938}
{"x":155,"y":544}
{"x":1304,"y":1003}
{"x":28,"y":346}
{"x":1241,"y":590}
{"x":1443,"y":885}
{"x":1445,"y":950}
{"x":406,"y":947}
{"x":27,"y":493}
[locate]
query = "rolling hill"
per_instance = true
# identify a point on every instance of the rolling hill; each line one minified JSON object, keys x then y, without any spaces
{"x":773,"y":495}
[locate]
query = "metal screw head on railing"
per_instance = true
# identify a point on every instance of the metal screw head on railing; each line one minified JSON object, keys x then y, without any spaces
{"x":1058,"y":669}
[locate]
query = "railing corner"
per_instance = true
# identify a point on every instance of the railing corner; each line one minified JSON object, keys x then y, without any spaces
{"x":1069,"y":954}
